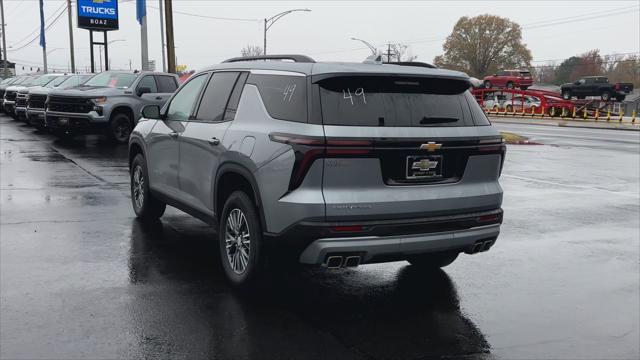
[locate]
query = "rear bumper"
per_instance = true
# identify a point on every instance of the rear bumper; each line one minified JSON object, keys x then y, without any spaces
{"x":387,"y":240}
{"x":375,"y":249}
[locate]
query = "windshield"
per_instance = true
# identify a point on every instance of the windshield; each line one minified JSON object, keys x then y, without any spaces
{"x":394,"y":101}
{"x":44,"y":80}
{"x":73,"y":80}
{"x":6,"y":81}
{"x":29,"y":81}
{"x":57,"y":81}
{"x":112,"y":79}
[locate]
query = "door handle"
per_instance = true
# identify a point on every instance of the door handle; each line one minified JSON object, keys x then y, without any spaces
{"x":214,"y":141}
{"x":158,"y":97}
{"x":173,"y":134}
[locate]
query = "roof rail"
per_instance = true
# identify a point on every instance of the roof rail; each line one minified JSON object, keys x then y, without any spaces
{"x":412,"y":63}
{"x":294,"y":58}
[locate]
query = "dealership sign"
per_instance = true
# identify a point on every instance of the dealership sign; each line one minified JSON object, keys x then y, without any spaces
{"x":98,"y":14}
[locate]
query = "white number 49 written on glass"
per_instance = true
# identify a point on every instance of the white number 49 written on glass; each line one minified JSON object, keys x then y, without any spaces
{"x":346,"y":94}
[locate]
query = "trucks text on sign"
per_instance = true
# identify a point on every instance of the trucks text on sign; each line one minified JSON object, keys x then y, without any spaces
{"x":98,"y":14}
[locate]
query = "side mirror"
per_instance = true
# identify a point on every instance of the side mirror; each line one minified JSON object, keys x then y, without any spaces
{"x":151,"y":112}
{"x":143,"y":90}
{"x":495,"y":74}
{"x":577,"y":83}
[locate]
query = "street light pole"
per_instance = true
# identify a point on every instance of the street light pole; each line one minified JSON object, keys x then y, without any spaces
{"x":373,"y":49}
{"x":270,"y":21}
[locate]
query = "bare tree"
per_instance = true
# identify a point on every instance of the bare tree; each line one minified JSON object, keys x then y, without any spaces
{"x":402,"y":52}
{"x":251,"y":50}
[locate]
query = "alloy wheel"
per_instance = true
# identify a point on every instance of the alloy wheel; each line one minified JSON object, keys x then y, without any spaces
{"x":138,"y":187}
{"x":237,"y":241}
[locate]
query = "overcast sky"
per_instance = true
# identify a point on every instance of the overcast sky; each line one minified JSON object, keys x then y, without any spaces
{"x":551,"y":29}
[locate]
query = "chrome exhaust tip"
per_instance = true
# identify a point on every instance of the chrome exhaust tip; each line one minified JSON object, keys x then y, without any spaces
{"x":352,"y":261}
{"x":487,"y":245}
{"x":334,"y":262}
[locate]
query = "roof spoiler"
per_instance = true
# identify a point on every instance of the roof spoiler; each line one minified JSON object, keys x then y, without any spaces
{"x":294,"y":58}
{"x":412,"y":63}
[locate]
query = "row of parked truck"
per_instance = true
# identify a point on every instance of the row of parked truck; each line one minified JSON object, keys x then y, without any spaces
{"x":68,"y":105}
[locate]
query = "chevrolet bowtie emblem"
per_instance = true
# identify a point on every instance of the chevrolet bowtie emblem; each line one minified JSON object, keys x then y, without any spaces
{"x":430,"y":146}
{"x":424,"y":165}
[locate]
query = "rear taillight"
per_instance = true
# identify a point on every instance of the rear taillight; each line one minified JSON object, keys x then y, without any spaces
{"x":616,"y":86}
{"x":308,"y":149}
{"x":495,"y":146}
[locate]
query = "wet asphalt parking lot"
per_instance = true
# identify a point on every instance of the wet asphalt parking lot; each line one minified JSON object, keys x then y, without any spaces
{"x":81,"y":278}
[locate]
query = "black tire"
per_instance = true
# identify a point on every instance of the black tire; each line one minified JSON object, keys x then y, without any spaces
{"x":120,"y":128}
{"x":523,"y":88}
{"x":146,"y":206}
{"x":508,"y":108}
{"x":240,"y":207}
{"x":434,"y":260}
{"x":487,"y":84}
{"x":509,"y":85}
{"x":566,"y":95}
{"x":605,"y":96}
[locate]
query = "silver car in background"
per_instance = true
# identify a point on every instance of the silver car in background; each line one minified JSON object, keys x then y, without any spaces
{"x":331,"y":164}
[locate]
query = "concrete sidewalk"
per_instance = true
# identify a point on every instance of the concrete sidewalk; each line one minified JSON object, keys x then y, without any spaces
{"x":600,"y":124}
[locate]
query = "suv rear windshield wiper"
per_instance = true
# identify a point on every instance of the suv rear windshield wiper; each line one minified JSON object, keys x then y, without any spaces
{"x":437,"y":120}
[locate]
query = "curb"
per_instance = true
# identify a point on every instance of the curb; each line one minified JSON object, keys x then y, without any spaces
{"x":571,"y":124}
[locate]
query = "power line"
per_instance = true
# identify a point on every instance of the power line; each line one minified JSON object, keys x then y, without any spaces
{"x":46,"y":28}
{"x":600,"y":13}
{"x":38,"y":28}
{"x":534,"y":25}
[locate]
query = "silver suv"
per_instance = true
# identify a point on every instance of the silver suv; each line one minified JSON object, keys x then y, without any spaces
{"x":339,"y":164}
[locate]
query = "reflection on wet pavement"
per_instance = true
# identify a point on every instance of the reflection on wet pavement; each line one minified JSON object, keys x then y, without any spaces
{"x":81,"y":278}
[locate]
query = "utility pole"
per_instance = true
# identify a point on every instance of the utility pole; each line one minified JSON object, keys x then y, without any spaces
{"x":171,"y":51}
{"x":4,"y":41}
{"x":164,"y":55}
{"x":388,"y":52}
{"x":73,"y":60}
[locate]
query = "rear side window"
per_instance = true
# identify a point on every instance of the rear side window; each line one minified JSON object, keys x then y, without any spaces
{"x":216,"y":96}
{"x":387,"y":101}
{"x":284,"y":96}
{"x":166,"y":84}
{"x":479,"y":116}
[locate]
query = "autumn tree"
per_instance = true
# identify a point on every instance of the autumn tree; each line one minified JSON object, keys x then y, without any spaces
{"x":484,"y":44}
{"x":251,"y":50}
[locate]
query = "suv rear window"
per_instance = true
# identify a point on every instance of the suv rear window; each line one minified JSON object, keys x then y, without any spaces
{"x":394,"y":101}
{"x":284,"y":96}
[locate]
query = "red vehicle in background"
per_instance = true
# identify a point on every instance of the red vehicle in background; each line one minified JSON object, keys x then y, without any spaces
{"x":509,"y":79}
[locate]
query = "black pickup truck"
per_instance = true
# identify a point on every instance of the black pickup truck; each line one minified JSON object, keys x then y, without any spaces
{"x":596,"y":86}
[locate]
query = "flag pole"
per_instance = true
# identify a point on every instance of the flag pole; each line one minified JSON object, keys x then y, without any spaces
{"x":141,"y":15}
{"x":43,"y":42}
